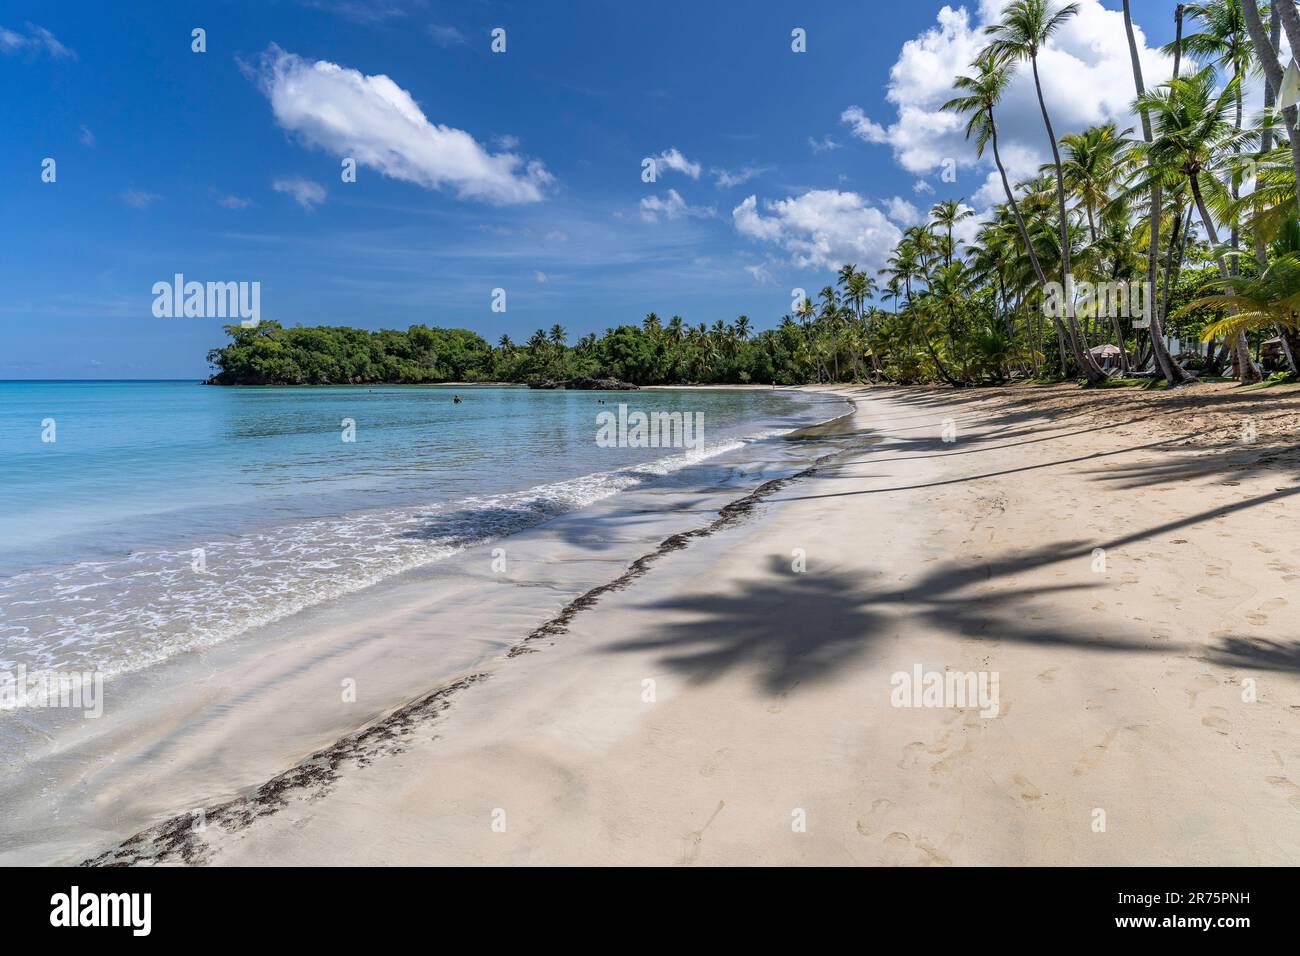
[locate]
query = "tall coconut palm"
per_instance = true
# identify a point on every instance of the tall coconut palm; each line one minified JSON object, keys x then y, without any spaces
{"x":1019,"y":35}
{"x":860,"y":288}
{"x":1224,"y":43}
{"x":1173,"y":372}
{"x":1094,"y":163}
{"x":1191,"y":125}
{"x":945,"y":215}
{"x":982,"y":93}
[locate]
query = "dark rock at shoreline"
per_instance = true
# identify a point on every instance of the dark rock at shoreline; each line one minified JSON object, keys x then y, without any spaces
{"x":600,"y":385}
{"x":585,"y":384}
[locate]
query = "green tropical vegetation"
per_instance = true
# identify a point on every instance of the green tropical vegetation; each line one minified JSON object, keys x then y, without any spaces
{"x":1197,"y":209}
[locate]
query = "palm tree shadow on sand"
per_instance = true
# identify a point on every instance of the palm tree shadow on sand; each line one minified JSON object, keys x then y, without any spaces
{"x":793,"y":628}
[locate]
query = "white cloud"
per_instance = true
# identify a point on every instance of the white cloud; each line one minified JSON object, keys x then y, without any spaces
{"x":902,"y":211}
{"x":304,"y":192}
{"x":557,"y":235}
{"x":375,"y":121}
{"x":825,"y":144}
{"x":87,"y":137}
{"x":674,"y":160}
{"x":726,"y":178}
{"x":234,"y":202}
{"x":864,"y":128}
{"x":672,"y":206}
{"x":138,"y":198}
{"x":760,"y":274}
{"x":541,"y":277}
{"x":446,"y":35}
{"x":1086,"y":73}
{"x":922,"y":188}
{"x":37,"y":40}
{"x":822,"y":227}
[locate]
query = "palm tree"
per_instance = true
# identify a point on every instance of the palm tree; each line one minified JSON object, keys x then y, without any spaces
{"x":1094,"y":163}
{"x":828,"y":316}
{"x":558,"y":335}
{"x":1174,"y":373}
{"x":1264,"y":302}
{"x":1191,"y":126}
{"x":805,"y":313}
{"x":1025,"y":26}
{"x":947,"y":214}
{"x":982,"y":92}
{"x":1225,"y":44}
{"x":859,"y":288}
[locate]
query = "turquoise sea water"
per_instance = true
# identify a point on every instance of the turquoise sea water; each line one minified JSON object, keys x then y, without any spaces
{"x":166,"y":516}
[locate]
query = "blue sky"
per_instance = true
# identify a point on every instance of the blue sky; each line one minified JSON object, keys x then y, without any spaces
{"x":519,"y":170}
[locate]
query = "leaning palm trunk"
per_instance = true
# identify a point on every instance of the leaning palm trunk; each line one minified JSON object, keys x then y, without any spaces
{"x":1061,"y":331}
{"x":1082,"y":357}
{"x":1171,"y":370}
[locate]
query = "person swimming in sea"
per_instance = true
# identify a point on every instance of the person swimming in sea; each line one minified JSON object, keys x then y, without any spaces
{"x":455,"y":399}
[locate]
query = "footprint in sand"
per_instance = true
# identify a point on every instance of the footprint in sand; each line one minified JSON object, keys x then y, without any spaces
{"x":1256,"y":618}
{"x":695,"y":839}
{"x":1027,"y":790}
{"x":941,"y":745}
{"x":932,"y":854}
{"x":910,"y":753}
{"x":1214,"y":720}
{"x":878,"y":808}
{"x":1048,"y":675}
{"x":1291,"y":790}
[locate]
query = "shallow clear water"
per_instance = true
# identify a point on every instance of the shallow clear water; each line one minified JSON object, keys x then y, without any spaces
{"x":167,"y":516}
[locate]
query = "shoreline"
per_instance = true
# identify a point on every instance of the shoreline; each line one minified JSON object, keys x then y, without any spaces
{"x":207,"y":749}
{"x":1121,"y":692}
{"x":176,"y":839}
{"x":972,"y":579}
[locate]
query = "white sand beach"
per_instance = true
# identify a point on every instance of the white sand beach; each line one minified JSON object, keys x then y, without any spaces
{"x":720,"y":707}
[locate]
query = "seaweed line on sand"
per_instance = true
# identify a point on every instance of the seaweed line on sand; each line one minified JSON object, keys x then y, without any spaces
{"x":179,"y":839}
{"x":729,"y":515}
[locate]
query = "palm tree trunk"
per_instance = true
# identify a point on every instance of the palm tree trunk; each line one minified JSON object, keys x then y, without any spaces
{"x":1246,"y":367}
{"x":1024,"y":233}
{"x":1029,"y":335}
{"x":1266,"y":55}
{"x":1266,"y":144}
{"x":1171,"y":370}
{"x":1286,"y":11}
{"x":1094,"y":375}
